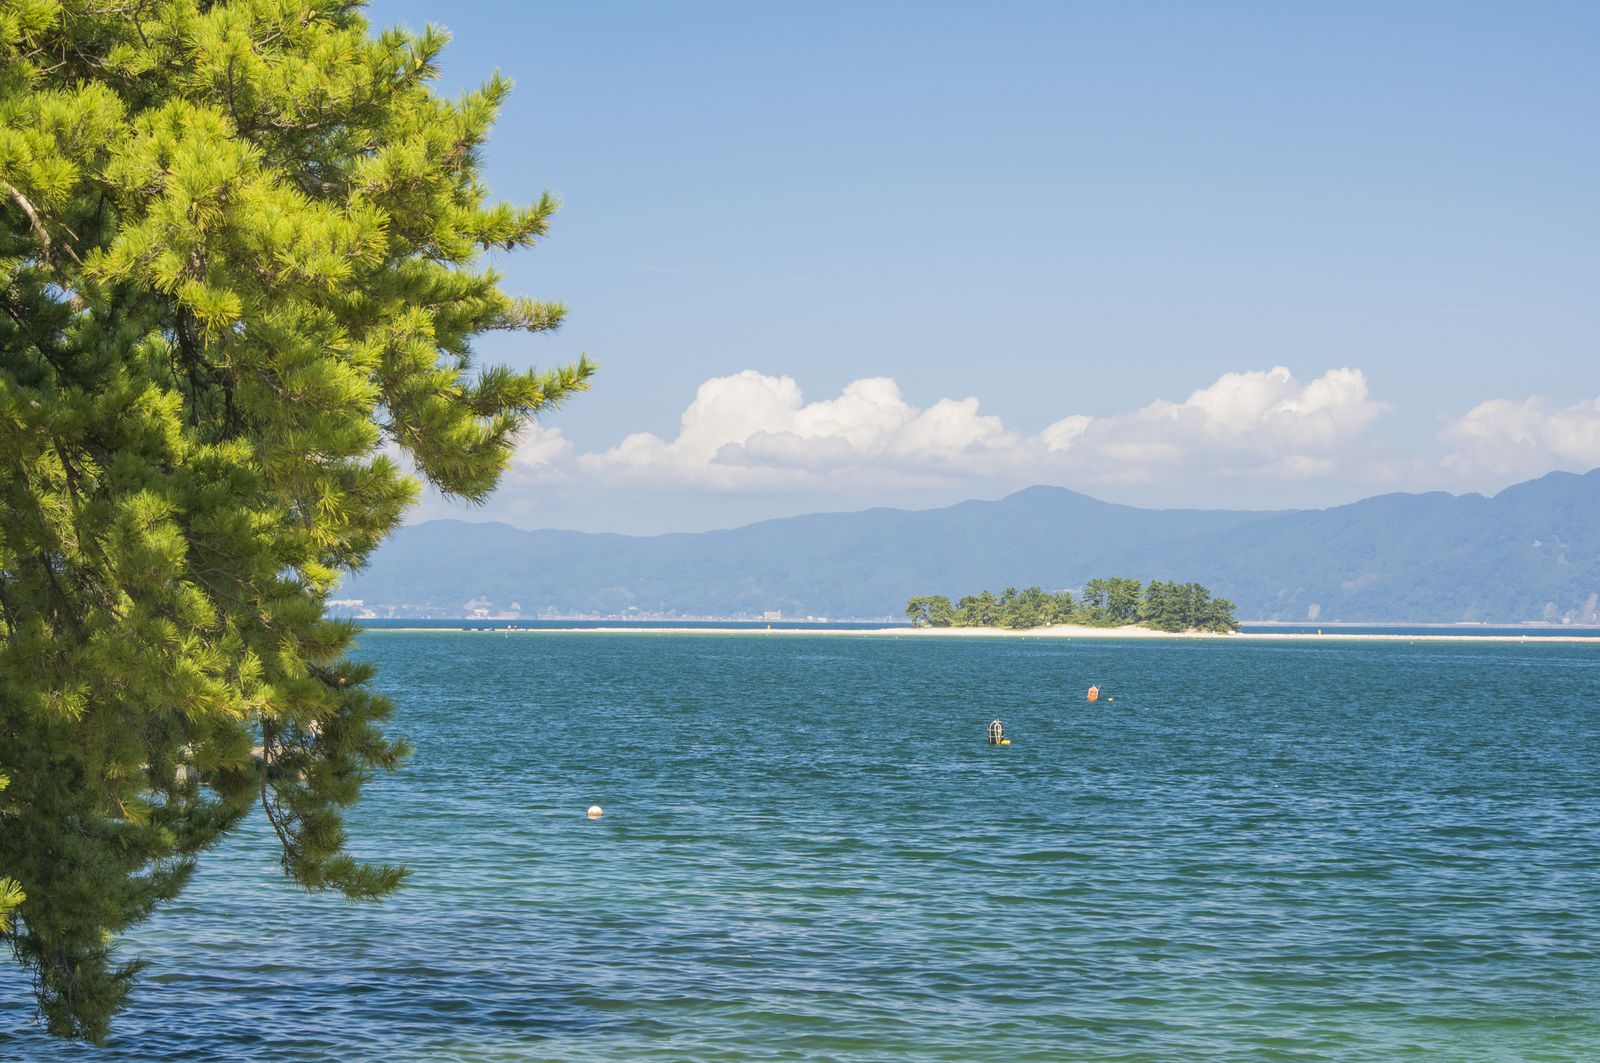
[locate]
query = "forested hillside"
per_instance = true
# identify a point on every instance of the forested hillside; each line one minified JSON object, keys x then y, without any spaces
{"x":1532,"y":552}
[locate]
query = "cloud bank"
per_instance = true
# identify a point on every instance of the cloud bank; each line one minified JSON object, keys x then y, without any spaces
{"x":1525,"y":438}
{"x":754,"y":431}
{"x":751,"y":446}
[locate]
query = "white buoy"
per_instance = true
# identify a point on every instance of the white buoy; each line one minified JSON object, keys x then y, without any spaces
{"x":595,"y":811}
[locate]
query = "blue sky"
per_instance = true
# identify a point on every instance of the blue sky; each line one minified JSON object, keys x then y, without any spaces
{"x":1245,"y":255}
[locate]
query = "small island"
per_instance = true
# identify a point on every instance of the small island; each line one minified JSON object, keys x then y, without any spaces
{"x":1117,"y":602}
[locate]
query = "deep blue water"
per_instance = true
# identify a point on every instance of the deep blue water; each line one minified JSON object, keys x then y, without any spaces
{"x":1270,"y":850}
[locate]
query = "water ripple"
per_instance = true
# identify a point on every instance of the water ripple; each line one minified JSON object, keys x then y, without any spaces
{"x":1284,"y":852}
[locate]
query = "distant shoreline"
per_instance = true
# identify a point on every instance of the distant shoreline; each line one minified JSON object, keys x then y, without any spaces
{"x":1059,"y":631}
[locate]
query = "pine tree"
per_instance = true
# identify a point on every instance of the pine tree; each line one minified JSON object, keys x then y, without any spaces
{"x":1092,"y":602}
{"x":1195,"y":602}
{"x":1218,"y":616}
{"x":978,"y":610}
{"x":1122,"y":600}
{"x":1162,"y":607}
{"x":1031,"y":608}
{"x":1061,"y":608}
{"x":931,"y":610}
{"x":241,"y":245}
{"x":11,"y":894}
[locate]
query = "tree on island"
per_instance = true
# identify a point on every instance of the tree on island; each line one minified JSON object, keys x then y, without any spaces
{"x":930,"y":611}
{"x":1116,"y":602}
{"x":1184,"y":607}
{"x":1111,"y":602}
{"x":1033,"y":607}
{"x":242,"y":251}
{"x":980,"y":610}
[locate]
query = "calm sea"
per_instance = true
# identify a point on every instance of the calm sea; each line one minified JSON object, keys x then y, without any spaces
{"x":1276,"y":851}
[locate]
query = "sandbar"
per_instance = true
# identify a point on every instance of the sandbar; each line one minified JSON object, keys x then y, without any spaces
{"x":1055,"y":631}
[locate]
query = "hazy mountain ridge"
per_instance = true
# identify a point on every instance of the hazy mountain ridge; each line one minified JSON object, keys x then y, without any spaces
{"x":1532,"y":552}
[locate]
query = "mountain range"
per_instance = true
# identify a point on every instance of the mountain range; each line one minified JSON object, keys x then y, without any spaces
{"x":1529,"y":553}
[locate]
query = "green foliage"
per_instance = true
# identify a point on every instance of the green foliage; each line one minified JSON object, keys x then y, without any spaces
{"x":1033,"y":607}
{"x":931,"y":611}
{"x":11,"y":894}
{"x":1027,"y":608}
{"x":1104,"y":603}
{"x":241,"y":249}
{"x":1185,"y":607}
{"x":981,"y":610}
{"x":1110,"y":602}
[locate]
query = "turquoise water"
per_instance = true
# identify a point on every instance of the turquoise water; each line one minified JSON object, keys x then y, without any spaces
{"x":1337,"y":850}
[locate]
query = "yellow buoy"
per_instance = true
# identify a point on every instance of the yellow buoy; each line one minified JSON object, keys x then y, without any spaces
{"x":595,"y":811}
{"x":1005,"y":741}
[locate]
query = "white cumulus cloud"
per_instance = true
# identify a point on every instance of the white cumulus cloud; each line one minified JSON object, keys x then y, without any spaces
{"x":754,"y":430}
{"x":751,"y":430}
{"x":1532,"y":436}
{"x":1258,"y":423}
{"x":541,"y":450}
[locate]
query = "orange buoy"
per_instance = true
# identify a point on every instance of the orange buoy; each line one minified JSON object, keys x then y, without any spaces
{"x":1094,"y":693}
